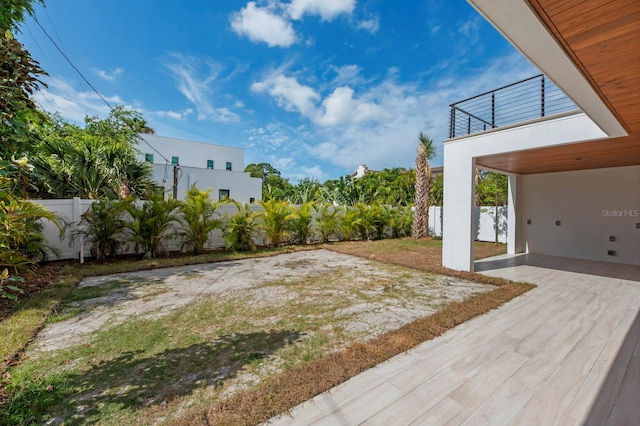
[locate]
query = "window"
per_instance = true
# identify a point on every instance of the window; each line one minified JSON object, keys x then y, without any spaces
{"x":223,"y":194}
{"x":210,"y":164}
{"x":148,"y":158}
{"x":175,"y":161}
{"x":252,"y":200}
{"x":228,"y":166}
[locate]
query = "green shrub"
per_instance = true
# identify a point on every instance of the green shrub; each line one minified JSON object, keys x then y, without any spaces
{"x":103,"y":225}
{"x":151,"y":223}
{"x":275,"y":218}
{"x":197,"y":219}
{"x":300,"y":223}
{"x":241,"y":228}
{"x":326,"y":221}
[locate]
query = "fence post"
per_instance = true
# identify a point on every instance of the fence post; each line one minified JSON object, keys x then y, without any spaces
{"x":493,"y":110}
{"x":542,"y":96}
{"x":452,"y":122}
{"x":76,"y":210}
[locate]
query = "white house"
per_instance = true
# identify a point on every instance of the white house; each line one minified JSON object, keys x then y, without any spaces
{"x":573,"y":161}
{"x":208,"y":166}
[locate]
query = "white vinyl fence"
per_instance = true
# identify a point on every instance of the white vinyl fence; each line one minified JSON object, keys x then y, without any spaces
{"x":70,"y":212}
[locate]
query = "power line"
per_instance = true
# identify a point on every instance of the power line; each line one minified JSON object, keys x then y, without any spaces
{"x":71,"y":63}
{"x":87,"y":81}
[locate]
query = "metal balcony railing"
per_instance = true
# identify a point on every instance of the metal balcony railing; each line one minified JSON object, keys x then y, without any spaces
{"x":524,"y":100}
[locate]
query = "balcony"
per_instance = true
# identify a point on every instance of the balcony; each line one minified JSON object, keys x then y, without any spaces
{"x":525,"y":100}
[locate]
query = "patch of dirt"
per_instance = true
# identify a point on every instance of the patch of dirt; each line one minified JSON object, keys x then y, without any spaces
{"x":157,"y":292}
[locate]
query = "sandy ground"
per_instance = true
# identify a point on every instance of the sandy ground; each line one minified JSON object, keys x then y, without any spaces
{"x":157,"y":292}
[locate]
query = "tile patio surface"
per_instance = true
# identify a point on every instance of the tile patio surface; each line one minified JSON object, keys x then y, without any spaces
{"x":567,"y":352}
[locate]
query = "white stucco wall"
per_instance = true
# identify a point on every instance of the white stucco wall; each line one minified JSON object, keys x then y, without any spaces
{"x":591,"y":205}
{"x":242,"y":187}
{"x":190,"y":153}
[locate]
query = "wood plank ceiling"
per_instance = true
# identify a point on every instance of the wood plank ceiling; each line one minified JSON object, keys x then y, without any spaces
{"x":602,"y":37}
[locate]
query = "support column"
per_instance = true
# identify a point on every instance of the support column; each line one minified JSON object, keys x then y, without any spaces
{"x":459,"y":207}
{"x":514,"y":216}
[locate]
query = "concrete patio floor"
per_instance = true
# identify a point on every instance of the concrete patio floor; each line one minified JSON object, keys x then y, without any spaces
{"x":567,"y":352}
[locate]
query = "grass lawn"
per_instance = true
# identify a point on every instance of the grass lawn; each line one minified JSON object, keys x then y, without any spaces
{"x":238,"y":357}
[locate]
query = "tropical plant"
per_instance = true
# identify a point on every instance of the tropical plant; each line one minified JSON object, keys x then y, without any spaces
{"x":300,"y":223}
{"x":326,"y":221}
{"x":275,"y":218}
{"x":26,"y":230}
{"x":198,"y":219}
{"x":492,"y":190}
{"x":19,"y":79}
{"x":400,"y":221}
{"x":94,"y":162}
{"x":152,"y":220}
{"x":426,"y":152}
{"x":22,"y":243}
{"x":103,"y":225}
{"x":273,"y":184}
{"x":378,"y":218}
{"x":241,"y":228}
{"x":347,"y":223}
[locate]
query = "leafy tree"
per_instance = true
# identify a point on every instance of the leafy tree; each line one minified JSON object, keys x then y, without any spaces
{"x":273,"y":184}
{"x":22,"y":244}
{"x":300,"y":223}
{"x":426,"y":152}
{"x":437,"y":189}
{"x":19,"y":78}
{"x":492,"y":190}
{"x":12,"y":13}
{"x":241,"y":228}
{"x":104,"y":226}
{"x":304,"y":191}
{"x":275,"y":218}
{"x":152,"y":221}
{"x":197,"y":215}
{"x":95,"y":162}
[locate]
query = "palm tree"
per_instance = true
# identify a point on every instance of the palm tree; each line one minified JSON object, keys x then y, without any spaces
{"x":426,"y":152}
{"x":197,"y":219}
{"x":275,"y":218}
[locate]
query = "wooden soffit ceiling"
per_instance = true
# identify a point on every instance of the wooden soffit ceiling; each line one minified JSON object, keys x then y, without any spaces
{"x":602,"y":37}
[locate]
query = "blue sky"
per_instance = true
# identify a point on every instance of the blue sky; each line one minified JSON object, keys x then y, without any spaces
{"x":314,"y":87}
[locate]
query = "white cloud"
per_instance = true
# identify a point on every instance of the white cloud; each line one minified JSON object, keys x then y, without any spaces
{"x":262,"y":24}
{"x":312,"y":172}
{"x":106,"y":75}
{"x":288,"y":93}
{"x":347,"y":74}
{"x":326,"y":9}
{"x":371,"y":25}
{"x":378,"y":124}
{"x":340,"y":107}
{"x":72,"y":104}
{"x":195,"y":79}
{"x":173,"y":114}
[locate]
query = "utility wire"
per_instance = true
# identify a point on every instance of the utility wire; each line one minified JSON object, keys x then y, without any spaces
{"x":88,"y":83}
{"x":71,"y":63}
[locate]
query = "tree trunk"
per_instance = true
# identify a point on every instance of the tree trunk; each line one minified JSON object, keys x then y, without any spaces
{"x":420,"y":228}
